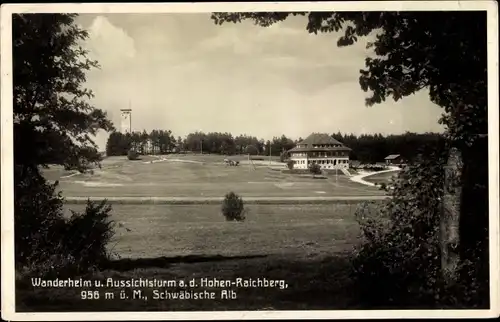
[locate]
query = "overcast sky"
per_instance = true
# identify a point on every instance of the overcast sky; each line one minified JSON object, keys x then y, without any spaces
{"x":184,"y":73}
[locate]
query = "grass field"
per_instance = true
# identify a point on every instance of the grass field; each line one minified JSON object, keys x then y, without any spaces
{"x":180,"y":230}
{"x":306,"y":245}
{"x":199,"y":176}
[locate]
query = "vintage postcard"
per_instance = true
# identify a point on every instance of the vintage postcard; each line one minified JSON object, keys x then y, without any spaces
{"x":249,"y":160}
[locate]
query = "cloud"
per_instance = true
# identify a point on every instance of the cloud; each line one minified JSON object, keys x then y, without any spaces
{"x":108,"y":44}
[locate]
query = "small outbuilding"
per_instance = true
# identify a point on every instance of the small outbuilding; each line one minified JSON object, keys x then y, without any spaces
{"x":395,"y":159}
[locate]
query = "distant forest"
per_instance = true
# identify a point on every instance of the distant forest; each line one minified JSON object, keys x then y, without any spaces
{"x":366,"y":148}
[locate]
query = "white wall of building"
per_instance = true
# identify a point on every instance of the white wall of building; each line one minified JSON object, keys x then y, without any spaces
{"x":324,"y":163}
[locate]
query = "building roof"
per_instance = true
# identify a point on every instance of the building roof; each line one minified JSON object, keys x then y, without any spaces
{"x":392,"y":156}
{"x":319,"y":138}
{"x":342,"y":148}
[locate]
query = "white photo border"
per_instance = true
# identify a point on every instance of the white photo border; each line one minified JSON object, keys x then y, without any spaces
{"x":7,"y":181}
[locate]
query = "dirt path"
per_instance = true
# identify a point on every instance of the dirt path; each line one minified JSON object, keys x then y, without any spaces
{"x":360,"y":177}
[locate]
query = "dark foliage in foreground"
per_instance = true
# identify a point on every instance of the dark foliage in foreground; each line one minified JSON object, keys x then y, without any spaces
{"x":53,"y":124}
{"x":399,"y":262}
{"x":47,"y":242}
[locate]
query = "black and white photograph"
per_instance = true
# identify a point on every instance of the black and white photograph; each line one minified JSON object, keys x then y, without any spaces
{"x":249,"y":160}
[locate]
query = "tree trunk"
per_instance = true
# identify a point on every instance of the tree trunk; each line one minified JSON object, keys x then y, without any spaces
{"x":450,"y":216}
{"x":474,"y":219}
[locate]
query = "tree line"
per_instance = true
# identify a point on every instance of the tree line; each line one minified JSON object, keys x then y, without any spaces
{"x":373,"y":148}
{"x":366,"y":148}
{"x":154,"y":142}
{"x":163,"y":141}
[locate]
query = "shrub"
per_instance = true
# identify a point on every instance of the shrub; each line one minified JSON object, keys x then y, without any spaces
{"x":233,"y":208}
{"x":290,"y":164}
{"x":49,"y":244}
{"x":315,"y":169}
{"x":383,"y":186}
{"x":38,"y":215}
{"x":372,"y":222}
{"x":87,"y":234}
{"x":398,"y":265}
{"x":132,"y":155}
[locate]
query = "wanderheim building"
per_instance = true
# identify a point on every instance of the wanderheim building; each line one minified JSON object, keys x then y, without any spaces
{"x":321,"y":149}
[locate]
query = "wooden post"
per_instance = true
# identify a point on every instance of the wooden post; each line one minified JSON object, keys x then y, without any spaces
{"x":270,"y":154}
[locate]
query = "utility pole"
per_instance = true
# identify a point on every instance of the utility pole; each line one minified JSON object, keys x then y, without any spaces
{"x":270,"y":153}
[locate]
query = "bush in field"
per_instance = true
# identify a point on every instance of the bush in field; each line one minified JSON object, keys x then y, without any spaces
{"x":383,"y":186}
{"x":49,"y":244}
{"x":315,"y":169}
{"x":233,"y":208}
{"x":132,"y":155}
{"x":289,"y":164}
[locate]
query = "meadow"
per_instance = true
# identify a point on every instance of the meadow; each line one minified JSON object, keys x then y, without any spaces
{"x":180,"y":230}
{"x":307,"y":244}
{"x":200,"y":176}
